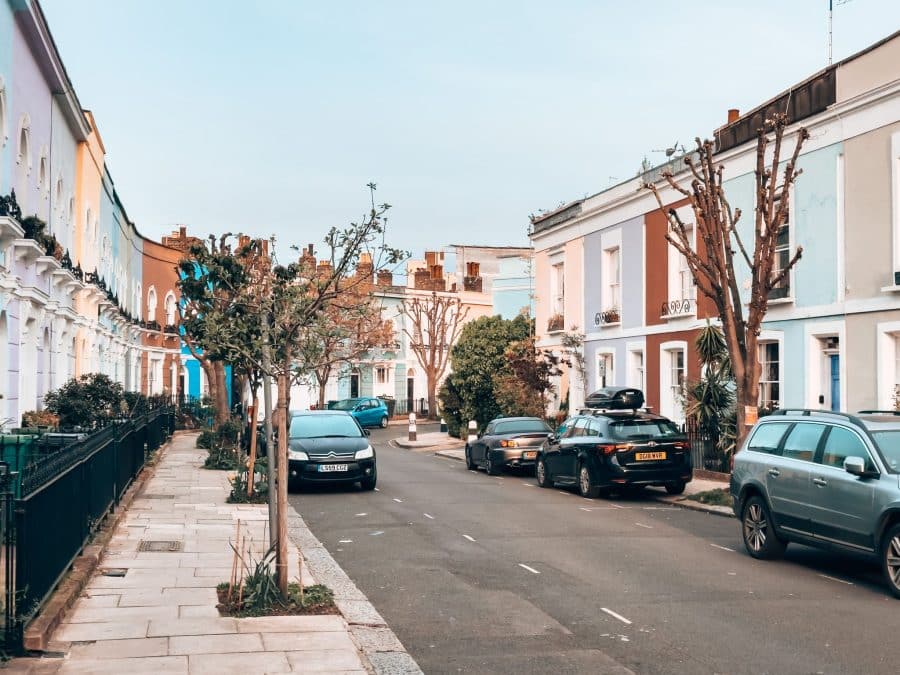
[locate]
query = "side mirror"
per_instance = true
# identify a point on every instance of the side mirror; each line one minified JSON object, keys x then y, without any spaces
{"x":357,"y":408}
{"x":367,"y":432}
{"x":856,"y":466}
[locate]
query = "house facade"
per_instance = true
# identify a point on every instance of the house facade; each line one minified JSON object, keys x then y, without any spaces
{"x":74,"y":291}
{"x":830,"y":338}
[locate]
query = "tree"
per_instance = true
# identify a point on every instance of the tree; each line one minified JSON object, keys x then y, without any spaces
{"x":712,"y":260}
{"x":522,"y":389}
{"x":433,"y":326}
{"x":479,"y":355}
{"x":86,"y":401}
{"x":573,"y":348}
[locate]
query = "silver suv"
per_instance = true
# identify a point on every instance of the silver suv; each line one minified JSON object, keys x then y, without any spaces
{"x":823,"y":479}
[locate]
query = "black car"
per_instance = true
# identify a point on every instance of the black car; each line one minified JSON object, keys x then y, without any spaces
{"x":329,"y":446}
{"x":600,"y":450}
{"x":508,"y":442}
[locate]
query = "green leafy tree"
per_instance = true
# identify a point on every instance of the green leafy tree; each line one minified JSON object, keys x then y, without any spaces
{"x":522,"y":391}
{"x":86,"y":401}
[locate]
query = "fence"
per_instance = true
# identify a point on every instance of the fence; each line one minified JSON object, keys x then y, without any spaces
{"x":705,"y":448}
{"x":53,"y":504}
{"x":407,"y":405}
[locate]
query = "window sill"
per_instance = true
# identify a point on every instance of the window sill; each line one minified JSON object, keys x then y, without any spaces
{"x":611,"y":324}
{"x":780,"y":301}
{"x":680,"y":315}
{"x":890,"y":289}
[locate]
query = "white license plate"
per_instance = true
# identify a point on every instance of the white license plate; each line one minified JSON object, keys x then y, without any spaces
{"x":333,"y":467}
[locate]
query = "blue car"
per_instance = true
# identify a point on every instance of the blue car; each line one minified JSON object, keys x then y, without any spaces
{"x":369,"y":412}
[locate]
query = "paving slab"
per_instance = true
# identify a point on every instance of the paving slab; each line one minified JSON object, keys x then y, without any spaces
{"x":120,"y":649}
{"x":216,"y":644}
{"x":219,"y":664}
{"x":151,"y":665}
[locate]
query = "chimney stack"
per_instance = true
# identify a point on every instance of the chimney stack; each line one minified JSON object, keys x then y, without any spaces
{"x":473,"y":281}
{"x":365,"y":268}
{"x":733,"y":115}
{"x":385,"y":278}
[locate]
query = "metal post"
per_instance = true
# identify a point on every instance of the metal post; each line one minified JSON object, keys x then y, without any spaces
{"x":473,"y":431}
{"x":412,"y":426}
{"x":443,"y":426}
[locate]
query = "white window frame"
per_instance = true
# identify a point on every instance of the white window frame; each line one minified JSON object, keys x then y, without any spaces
{"x":171,"y":309}
{"x":4,"y":113}
{"x":637,"y":370}
{"x":888,"y":346}
{"x":612,"y":263}
{"x":668,"y":403}
{"x":773,"y":337}
{"x":815,"y":332}
{"x":382,"y":375}
{"x":151,"y":303}
{"x":605,"y":355}
{"x":792,"y":233}
{"x":676,"y":291}
{"x":558,"y":288}
{"x":895,"y":207}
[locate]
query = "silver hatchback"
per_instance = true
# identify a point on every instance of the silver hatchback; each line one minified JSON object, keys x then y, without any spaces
{"x":824,"y":479}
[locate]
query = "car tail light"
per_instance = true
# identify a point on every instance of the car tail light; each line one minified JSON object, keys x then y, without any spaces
{"x":607,"y":448}
{"x":682,"y":445}
{"x":509,"y":444}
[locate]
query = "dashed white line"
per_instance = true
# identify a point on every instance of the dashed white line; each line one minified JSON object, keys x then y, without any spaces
{"x":375,"y":534}
{"x":361,"y":514}
{"x":724,"y":548}
{"x":617,"y":506}
{"x":649,"y":527}
{"x":399,"y":501}
{"x":617,"y":616}
{"x":345,"y":541}
{"x":528,"y":484}
{"x":825,"y":576}
{"x":468,"y":537}
{"x":581,"y":508}
{"x":530,"y":569}
{"x":428,"y":516}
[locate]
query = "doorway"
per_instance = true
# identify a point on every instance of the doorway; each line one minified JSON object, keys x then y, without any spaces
{"x":354,"y":383}
{"x":835,"y":366}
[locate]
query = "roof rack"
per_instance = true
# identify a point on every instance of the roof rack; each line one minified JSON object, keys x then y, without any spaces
{"x":895,"y":413}
{"x":807,"y":412}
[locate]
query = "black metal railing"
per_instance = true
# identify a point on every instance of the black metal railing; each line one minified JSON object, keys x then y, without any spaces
{"x":53,"y":505}
{"x":406,"y":405}
{"x":705,"y":451}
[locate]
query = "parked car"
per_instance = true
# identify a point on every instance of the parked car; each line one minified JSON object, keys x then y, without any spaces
{"x":616,"y":446}
{"x":824,"y":479}
{"x":508,"y":442}
{"x":369,"y":412}
{"x":329,"y":446}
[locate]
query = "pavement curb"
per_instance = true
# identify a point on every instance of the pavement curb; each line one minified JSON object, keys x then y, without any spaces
{"x":684,"y":502}
{"x":38,"y":633}
{"x":445,"y":453}
{"x":384,"y":652}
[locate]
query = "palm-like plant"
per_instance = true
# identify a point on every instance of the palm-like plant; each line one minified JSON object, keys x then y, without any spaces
{"x":710,"y":400}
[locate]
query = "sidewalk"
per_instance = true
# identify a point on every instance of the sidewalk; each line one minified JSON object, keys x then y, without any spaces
{"x":155,"y":611}
{"x":694,"y":487}
{"x":433,"y":440}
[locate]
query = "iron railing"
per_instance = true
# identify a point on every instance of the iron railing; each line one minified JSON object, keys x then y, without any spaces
{"x":705,"y":451}
{"x":52,"y":505}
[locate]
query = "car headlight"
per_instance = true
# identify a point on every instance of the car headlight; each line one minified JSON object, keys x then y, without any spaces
{"x":365,"y":453}
{"x":298,"y":455}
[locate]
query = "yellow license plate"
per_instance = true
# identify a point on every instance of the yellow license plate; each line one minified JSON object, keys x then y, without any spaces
{"x":642,"y":456}
{"x":529,"y":455}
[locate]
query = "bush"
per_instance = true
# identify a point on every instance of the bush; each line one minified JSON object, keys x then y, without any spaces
{"x":238,"y":494}
{"x":39,"y":418}
{"x":86,"y":401}
{"x":206,"y":439}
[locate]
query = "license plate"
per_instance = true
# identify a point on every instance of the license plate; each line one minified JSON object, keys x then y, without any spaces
{"x":333,"y":467}
{"x":643,"y":456}
{"x":529,"y":455}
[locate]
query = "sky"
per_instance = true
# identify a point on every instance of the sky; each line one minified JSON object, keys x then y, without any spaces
{"x":271,"y":117}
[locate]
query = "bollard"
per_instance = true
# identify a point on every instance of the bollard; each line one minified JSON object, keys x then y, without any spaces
{"x":473,"y":435}
{"x":412,"y":426}
{"x":443,"y":426}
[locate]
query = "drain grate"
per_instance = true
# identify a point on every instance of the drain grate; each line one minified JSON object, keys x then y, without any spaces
{"x":158,"y":546}
{"x":114,"y":571}
{"x":153,"y":496}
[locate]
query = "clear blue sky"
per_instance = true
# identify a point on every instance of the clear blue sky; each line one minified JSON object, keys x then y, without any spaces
{"x":272,"y":116}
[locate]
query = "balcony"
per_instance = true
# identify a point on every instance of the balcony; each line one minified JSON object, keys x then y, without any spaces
{"x":608,"y":317}
{"x":675,"y":309}
{"x":10,"y":230}
{"x":556,"y":323}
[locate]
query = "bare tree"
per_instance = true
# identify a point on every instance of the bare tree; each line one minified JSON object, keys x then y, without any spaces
{"x":434,"y":325}
{"x":712,"y":260}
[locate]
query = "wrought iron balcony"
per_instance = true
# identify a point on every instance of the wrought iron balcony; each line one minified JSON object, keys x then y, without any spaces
{"x":555,"y":323}
{"x":608,"y":317}
{"x":676,"y":308}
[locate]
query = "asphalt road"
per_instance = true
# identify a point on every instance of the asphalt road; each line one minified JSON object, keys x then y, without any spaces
{"x":479,"y":574}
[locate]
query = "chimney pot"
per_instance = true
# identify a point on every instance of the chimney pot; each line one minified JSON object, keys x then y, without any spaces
{"x":733,"y":115}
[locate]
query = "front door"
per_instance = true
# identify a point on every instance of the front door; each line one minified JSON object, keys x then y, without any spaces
{"x":835,"y":381}
{"x":354,"y":384}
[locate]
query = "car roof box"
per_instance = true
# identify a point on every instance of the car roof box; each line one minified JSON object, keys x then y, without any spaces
{"x":616,"y":398}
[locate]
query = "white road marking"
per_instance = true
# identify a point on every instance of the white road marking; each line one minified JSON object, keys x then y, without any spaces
{"x":345,"y":541}
{"x":361,"y":514}
{"x":530,"y":569}
{"x":617,"y":506}
{"x":427,"y":516}
{"x":825,"y":576}
{"x":377,"y":490}
{"x":649,"y":527}
{"x":375,"y":534}
{"x":724,"y":548}
{"x":399,"y":501}
{"x":617,"y":616}
{"x":581,"y":508}
{"x":528,"y":484}
{"x":469,"y":538}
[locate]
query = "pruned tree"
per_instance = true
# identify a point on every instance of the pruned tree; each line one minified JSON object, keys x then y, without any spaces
{"x":712,"y":261}
{"x":433,"y":326}
{"x":522,"y":388}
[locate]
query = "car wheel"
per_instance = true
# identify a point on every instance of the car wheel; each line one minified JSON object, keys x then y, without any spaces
{"x":759,"y":531}
{"x":470,"y":465}
{"x":890,"y":558}
{"x":540,"y":473}
{"x":586,"y":487}
{"x":676,"y":487}
{"x":383,"y":422}
{"x":492,"y":468}
{"x":369,"y":482}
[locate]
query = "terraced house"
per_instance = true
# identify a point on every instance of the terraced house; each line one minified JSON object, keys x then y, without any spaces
{"x":81,"y":290}
{"x":832,"y":334}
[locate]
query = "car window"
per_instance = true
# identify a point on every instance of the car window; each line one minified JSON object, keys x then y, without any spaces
{"x":841,"y":444}
{"x":802,"y":441}
{"x":767,"y":437}
{"x":594,"y":428}
{"x":640,"y":429}
{"x":889,"y":444}
{"x":521,"y":427}
{"x":565,"y":428}
{"x":580,"y":428}
{"x":346,"y":404}
{"x":324,"y":426}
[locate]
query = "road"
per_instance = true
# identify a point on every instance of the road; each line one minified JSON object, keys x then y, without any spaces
{"x":482,"y":574}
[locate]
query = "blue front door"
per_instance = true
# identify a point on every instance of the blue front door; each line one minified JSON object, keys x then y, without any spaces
{"x":835,"y":382}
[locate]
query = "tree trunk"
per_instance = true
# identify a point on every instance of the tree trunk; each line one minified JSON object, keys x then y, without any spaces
{"x":223,"y":410}
{"x":251,"y":464}
{"x":322,"y":380}
{"x":431,"y":382}
{"x":281,"y":553}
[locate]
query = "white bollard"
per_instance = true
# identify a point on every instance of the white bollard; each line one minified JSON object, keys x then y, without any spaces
{"x":473,"y":428}
{"x":412,"y":426}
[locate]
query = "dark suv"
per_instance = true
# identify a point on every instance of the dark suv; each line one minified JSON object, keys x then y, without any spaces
{"x":824,"y":479}
{"x":602,"y":449}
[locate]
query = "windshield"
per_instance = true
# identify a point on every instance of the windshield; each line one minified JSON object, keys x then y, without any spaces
{"x":633,"y":429}
{"x":324,"y":426}
{"x":889,"y":444}
{"x":346,"y":404}
{"x":521,"y":427}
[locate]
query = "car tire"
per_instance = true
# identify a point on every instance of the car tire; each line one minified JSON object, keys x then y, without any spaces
{"x":384,"y":422}
{"x":541,"y":475}
{"x":370,"y":482}
{"x":890,"y":558}
{"x":492,"y":468}
{"x":758,"y":531}
{"x":676,"y":487}
{"x":470,"y":465}
{"x":586,"y":487}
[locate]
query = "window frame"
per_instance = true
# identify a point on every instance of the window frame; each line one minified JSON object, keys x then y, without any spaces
{"x":785,"y":248}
